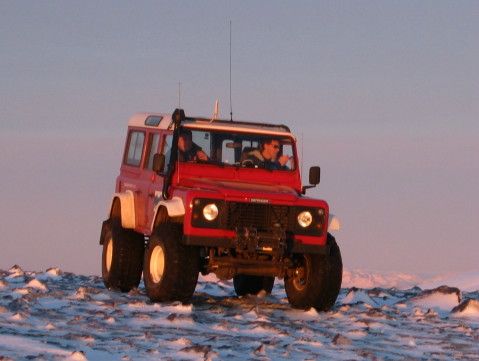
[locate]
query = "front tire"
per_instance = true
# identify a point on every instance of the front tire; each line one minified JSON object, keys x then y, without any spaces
{"x":170,"y":270}
{"x":245,"y":284}
{"x":122,"y":256}
{"x":316,"y":281}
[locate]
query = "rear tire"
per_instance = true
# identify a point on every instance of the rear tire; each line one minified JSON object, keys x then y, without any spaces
{"x":245,"y":284}
{"x":170,"y":270}
{"x":317,"y":280}
{"x":122,"y":256}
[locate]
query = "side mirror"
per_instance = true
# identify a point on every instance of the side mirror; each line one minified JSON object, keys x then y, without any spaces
{"x":158,"y":163}
{"x":314,"y":175}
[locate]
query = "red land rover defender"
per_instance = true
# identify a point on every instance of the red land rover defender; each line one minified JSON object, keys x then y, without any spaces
{"x":220,"y":207}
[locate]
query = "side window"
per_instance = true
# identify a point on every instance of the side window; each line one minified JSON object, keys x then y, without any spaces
{"x":250,"y":145}
{"x":167,"y":142}
{"x":203,"y":140}
{"x":153,"y":142}
{"x":135,"y":148}
{"x":287,"y":149}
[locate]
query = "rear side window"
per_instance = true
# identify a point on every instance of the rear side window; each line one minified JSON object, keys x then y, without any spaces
{"x":135,"y":148}
{"x":153,"y":142}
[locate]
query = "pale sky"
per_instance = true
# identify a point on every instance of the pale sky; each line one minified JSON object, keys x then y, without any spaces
{"x":383,"y":95}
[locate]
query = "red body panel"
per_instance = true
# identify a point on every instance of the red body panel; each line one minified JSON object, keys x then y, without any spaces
{"x":196,"y":180}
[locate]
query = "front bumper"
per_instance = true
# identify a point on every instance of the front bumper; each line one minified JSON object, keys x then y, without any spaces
{"x":264,"y":245}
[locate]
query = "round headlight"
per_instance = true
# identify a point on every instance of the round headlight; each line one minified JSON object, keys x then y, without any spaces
{"x":210,"y":212}
{"x":305,"y":219}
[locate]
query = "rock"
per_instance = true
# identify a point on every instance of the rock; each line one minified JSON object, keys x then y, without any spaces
{"x":260,"y":350}
{"x":445,"y":290}
{"x":77,"y":356}
{"x":468,"y":307}
{"x":340,"y":340}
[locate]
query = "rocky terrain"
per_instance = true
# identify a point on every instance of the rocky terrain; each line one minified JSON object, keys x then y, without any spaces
{"x":54,"y":315}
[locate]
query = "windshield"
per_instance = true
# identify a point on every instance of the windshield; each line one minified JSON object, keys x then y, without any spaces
{"x":237,"y":149}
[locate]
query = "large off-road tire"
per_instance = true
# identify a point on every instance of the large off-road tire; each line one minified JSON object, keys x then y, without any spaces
{"x":170,"y":269}
{"x":122,"y":256}
{"x":245,"y":284}
{"x":317,"y":280}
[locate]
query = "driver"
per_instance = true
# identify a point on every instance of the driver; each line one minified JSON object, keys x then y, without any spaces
{"x":187,"y":150}
{"x":267,"y":156}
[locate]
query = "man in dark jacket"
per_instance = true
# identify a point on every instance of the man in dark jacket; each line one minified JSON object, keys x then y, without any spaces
{"x":189,"y":151}
{"x":267,"y":156}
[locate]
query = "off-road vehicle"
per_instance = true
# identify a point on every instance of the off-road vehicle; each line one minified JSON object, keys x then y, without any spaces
{"x":172,"y":216}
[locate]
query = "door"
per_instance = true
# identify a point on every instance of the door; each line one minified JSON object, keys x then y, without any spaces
{"x":156,"y":184}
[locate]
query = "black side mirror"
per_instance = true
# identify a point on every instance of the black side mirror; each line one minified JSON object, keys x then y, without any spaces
{"x":314,"y":175}
{"x":158,"y":163}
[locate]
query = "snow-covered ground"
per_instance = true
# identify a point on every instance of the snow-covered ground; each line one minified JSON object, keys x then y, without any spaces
{"x":53,"y":315}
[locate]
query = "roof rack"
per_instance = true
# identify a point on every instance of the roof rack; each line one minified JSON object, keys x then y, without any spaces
{"x":238,"y":122}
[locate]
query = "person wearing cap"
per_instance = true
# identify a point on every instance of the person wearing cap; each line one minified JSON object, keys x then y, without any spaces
{"x":189,"y":151}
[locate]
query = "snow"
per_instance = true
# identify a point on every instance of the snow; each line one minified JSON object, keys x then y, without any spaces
{"x":364,"y":279}
{"x":440,"y":299}
{"x":468,"y":282}
{"x":34,"y":283}
{"x":55,"y":315}
{"x":356,"y":295}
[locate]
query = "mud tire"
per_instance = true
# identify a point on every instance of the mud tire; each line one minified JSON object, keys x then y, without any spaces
{"x":170,"y":269}
{"x":318,"y":282}
{"x":122,"y":256}
{"x":245,"y":284}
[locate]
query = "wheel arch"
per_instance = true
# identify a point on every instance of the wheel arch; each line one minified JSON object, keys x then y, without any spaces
{"x":122,"y":205}
{"x":170,"y":210}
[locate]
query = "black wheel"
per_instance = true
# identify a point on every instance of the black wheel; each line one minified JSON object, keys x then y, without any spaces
{"x":122,"y":256}
{"x":170,"y":270}
{"x":317,"y":280}
{"x":252,"y":285}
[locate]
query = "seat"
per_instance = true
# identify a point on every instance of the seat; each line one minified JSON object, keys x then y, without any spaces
{"x":246,"y":151}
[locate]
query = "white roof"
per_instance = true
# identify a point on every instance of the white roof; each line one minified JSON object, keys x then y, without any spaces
{"x":140,"y":120}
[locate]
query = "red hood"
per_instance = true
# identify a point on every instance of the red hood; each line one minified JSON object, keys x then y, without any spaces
{"x":237,"y":189}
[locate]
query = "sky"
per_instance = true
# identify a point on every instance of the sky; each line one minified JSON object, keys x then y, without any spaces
{"x":383,"y":95}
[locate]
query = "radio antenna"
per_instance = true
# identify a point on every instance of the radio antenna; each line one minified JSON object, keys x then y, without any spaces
{"x":231,"y":103}
{"x":302,"y":148}
{"x":179,"y":95}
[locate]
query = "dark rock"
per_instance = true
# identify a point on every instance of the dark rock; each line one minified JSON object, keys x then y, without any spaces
{"x":340,"y":340}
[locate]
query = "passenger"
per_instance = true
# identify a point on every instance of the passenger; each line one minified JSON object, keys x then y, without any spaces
{"x":189,"y":151}
{"x":267,"y":156}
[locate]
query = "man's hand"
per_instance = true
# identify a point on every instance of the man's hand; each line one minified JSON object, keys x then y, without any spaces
{"x":283,"y":160}
{"x":201,"y":155}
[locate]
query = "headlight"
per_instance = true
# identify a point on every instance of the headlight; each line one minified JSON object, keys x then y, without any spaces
{"x":206,"y":212}
{"x":210,"y":212}
{"x":305,"y":219}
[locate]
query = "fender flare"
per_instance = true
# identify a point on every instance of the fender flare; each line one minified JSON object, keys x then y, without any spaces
{"x":333,"y":223}
{"x":174,"y":208}
{"x":127,"y":207}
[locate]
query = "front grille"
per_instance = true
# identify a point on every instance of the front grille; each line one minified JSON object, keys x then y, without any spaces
{"x":263,"y":217}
